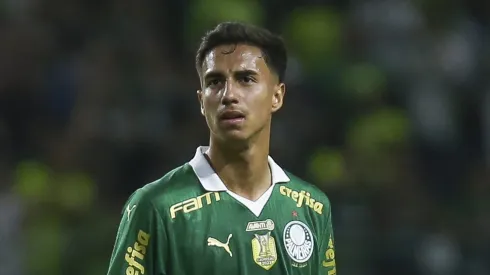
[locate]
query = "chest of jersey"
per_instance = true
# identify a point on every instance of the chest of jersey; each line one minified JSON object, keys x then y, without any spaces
{"x":216,"y":234}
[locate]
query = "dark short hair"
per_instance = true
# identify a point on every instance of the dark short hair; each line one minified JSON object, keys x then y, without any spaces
{"x":271,"y":45}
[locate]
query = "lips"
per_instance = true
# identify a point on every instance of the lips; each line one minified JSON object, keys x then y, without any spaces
{"x":231,"y":114}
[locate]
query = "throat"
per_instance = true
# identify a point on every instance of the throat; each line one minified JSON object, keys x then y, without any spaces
{"x":251,"y":191}
{"x":243,"y":179}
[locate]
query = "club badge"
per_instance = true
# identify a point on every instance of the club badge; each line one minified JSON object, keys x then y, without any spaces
{"x":298,"y":241}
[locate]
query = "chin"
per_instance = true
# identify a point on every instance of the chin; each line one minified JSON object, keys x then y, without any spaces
{"x":234,"y":135}
{"x":231,"y":135}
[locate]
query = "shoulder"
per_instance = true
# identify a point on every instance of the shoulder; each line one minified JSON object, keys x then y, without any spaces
{"x":297,"y":186}
{"x":171,"y":186}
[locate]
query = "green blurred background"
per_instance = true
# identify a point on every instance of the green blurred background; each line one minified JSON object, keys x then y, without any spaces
{"x":387,"y":110}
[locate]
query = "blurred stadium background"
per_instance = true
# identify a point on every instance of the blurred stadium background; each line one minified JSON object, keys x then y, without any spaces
{"x":387,"y":110}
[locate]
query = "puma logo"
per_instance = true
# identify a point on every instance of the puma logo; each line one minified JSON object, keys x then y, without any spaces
{"x":128,"y":209}
{"x":225,"y":246}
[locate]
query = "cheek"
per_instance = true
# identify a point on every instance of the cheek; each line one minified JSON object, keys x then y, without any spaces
{"x":207,"y":103}
{"x":261,"y":110}
{"x":264,"y":100}
{"x":209,"y":109}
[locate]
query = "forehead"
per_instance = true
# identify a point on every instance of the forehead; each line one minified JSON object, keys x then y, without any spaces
{"x":231,"y":58}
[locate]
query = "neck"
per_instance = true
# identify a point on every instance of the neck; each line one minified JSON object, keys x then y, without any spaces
{"x":245,"y":169}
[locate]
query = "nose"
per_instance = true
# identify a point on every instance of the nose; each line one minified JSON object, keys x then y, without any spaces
{"x":229,"y":96}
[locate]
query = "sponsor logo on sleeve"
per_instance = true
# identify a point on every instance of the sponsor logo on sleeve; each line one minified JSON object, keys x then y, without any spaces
{"x":329,"y":261}
{"x":136,"y":254}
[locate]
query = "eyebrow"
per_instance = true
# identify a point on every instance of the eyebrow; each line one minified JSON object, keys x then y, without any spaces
{"x":217,"y":74}
{"x":245,"y":72}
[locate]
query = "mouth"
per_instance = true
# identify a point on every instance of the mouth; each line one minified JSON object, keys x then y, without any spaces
{"x":232,"y":117}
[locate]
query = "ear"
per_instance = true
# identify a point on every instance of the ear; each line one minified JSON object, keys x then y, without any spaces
{"x":199,"y":97}
{"x":278,"y":97}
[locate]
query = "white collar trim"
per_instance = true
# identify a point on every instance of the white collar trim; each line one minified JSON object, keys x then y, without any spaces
{"x":211,"y":181}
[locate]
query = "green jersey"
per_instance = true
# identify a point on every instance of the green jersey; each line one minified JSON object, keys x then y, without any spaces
{"x":188,"y":223}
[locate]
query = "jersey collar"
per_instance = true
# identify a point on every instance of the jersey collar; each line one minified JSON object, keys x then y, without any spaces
{"x":211,"y":181}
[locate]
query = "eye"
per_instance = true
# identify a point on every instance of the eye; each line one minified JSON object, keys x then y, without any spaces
{"x":213,"y":82}
{"x":247,"y":79}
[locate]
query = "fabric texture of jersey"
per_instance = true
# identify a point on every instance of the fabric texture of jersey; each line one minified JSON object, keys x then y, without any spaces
{"x":189,"y":223}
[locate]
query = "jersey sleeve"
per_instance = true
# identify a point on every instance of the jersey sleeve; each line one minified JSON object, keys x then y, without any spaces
{"x":140,"y":246}
{"x":327,"y":248}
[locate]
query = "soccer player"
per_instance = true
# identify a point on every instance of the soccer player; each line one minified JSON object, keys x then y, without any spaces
{"x":231,"y":209}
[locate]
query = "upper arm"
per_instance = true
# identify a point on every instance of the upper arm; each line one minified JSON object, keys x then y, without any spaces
{"x":140,"y":246}
{"x":327,"y":247}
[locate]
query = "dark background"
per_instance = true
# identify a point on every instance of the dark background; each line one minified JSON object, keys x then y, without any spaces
{"x":387,"y":110}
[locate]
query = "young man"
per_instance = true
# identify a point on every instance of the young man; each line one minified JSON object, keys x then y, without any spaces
{"x":231,"y":209}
